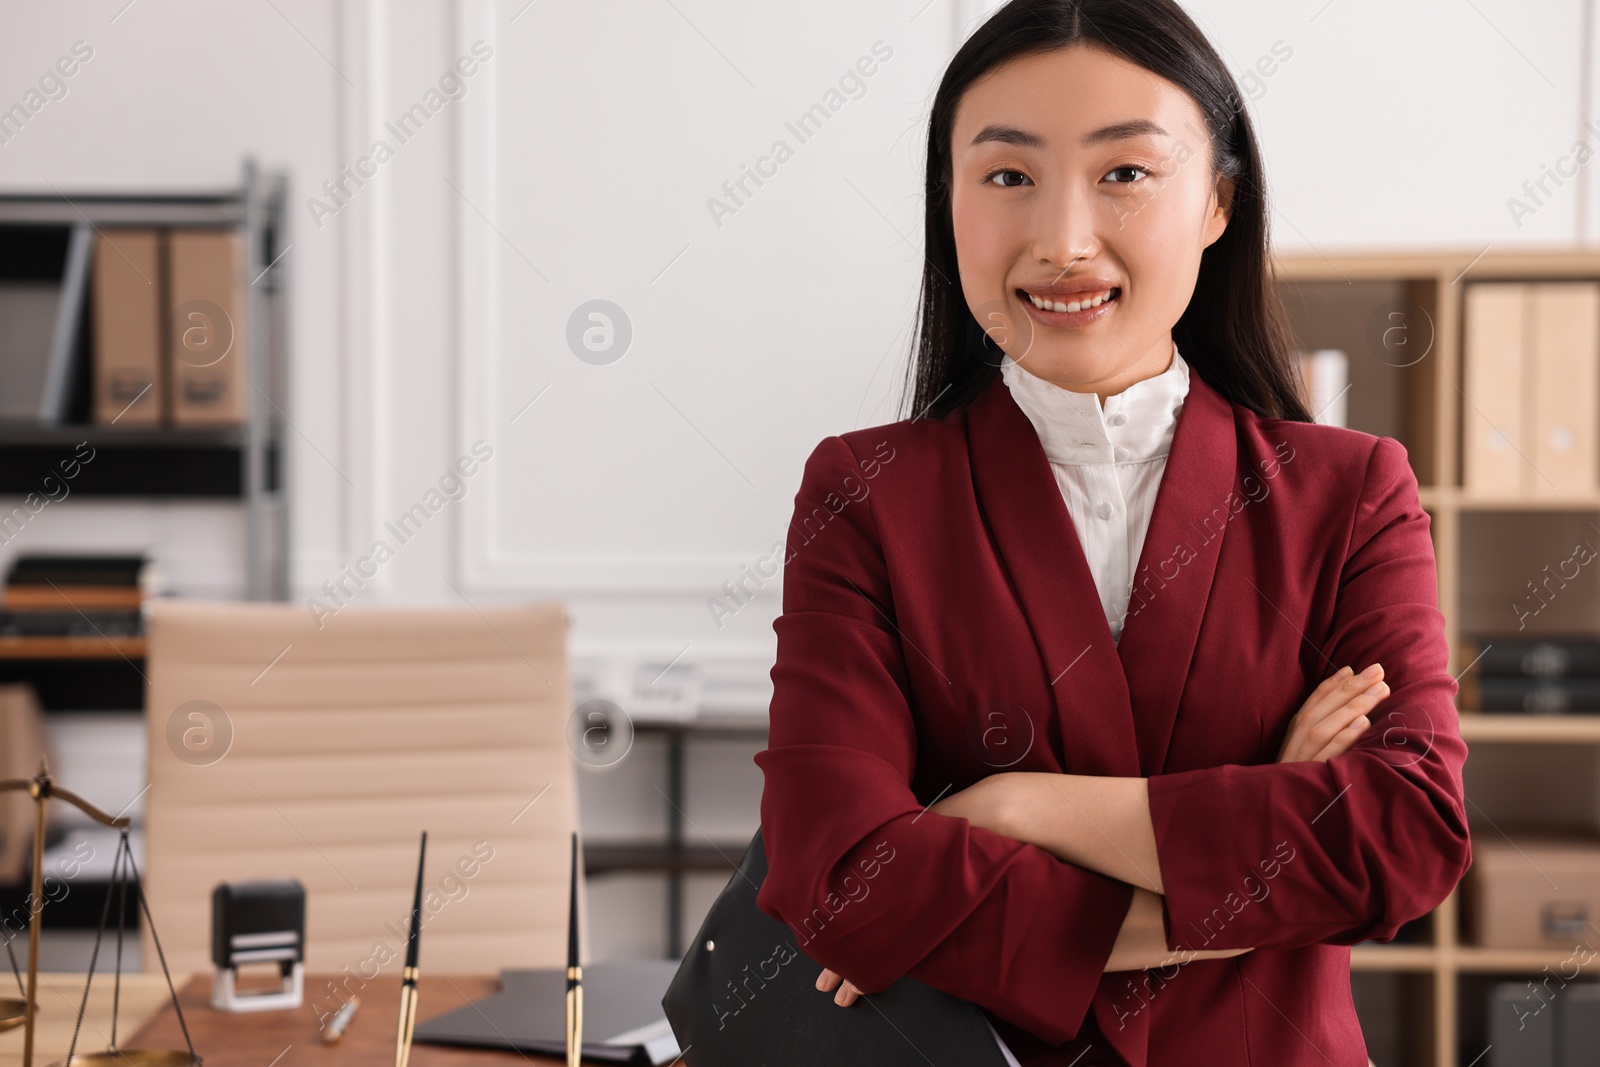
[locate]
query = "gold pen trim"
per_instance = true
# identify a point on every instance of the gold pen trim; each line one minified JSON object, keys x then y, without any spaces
{"x":408,"y":1023}
{"x":574,"y":1024}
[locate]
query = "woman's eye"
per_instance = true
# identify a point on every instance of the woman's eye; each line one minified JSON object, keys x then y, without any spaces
{"x":1131,"y":166}
{"x":1004,"y":174}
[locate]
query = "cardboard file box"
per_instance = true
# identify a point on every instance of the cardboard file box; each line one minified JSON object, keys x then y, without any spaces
{"x":208,"y":337}
{"x":1542,"y":892}
{"x":1492,"y":371}
{"x":1531,"y":377}
{"x":129,"y":373}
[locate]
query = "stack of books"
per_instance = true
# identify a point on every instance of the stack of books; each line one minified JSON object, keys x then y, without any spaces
{"x":1531,"y":675}
{"x":76,"y":596}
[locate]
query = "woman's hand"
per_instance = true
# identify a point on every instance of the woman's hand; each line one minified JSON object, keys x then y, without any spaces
{"x":981,"y":804}
{"x":1334,"y":716}
{"x":847,"y":994}
{"x":1331,"y":720}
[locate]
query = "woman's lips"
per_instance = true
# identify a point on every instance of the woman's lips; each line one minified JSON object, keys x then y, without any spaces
{"x":1081,"y":317}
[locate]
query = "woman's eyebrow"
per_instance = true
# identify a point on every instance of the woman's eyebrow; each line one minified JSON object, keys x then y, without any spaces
{"x":1117,"y":131}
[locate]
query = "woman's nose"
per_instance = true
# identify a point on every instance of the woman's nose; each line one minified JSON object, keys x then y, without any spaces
{"x":1065,"y":228}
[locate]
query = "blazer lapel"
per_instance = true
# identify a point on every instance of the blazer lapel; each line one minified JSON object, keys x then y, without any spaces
{"x":1116,"y":703}
{"x":1039,"y":547}
{"x":1177,"y":565}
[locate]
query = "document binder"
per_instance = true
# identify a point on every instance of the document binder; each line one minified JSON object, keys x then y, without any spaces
{"x":745,"y":996}
{"x":208,"y":339}
{"x":1564,"y":401}
{"x":622,"y":1014}
{"x":1531,"y":370}
{"x":129,"y":382}
{"x":1491,"y":418}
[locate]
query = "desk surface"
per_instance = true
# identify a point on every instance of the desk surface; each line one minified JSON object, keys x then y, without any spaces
{"x":142,"y":996}
{"x":226,"y":1039}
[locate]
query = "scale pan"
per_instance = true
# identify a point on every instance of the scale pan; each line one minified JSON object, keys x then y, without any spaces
{"x":13,"y":1013}
{"x":132,"y":1057}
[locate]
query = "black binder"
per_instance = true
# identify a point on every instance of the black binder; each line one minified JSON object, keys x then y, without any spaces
{"x":621,"y":1014}
{"x":750,"y":1000}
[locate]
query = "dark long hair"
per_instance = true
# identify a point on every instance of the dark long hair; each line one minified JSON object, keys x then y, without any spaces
{"x":1234,"y":333}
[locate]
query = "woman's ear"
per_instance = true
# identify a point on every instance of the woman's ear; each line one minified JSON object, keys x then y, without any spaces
{"x":1221,"y":210}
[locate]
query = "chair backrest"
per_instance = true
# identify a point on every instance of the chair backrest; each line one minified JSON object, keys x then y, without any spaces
{"x":283,"y":745}
{"x":23,"y":744}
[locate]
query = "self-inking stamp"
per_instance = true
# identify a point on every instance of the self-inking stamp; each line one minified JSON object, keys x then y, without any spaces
{"x":258,"y":922}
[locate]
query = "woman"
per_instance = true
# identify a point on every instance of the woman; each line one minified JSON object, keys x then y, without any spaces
{"x":1065,"y":657}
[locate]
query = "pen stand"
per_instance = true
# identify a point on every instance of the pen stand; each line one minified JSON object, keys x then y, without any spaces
{"x":258,"y":922}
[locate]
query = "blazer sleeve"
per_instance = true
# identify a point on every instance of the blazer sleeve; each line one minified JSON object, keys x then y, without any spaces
{"x":1289,"y":854}
{"x":874,"y":886}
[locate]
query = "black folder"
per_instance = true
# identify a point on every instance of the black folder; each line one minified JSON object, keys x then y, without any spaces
{"x":622,"y":1017}
{"x":746,"y":996}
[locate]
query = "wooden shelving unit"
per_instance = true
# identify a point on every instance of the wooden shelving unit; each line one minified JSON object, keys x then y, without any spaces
{"x":51,"y":648}
{"x":1399,"y":318}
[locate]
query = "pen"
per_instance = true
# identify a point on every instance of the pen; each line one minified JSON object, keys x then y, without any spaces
{"x":408,"y":978}
{"x":336,"y":1026}
{"x":574,"y":972}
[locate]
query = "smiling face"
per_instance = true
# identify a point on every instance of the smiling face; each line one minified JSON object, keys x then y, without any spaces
{"x":1076,"y":177}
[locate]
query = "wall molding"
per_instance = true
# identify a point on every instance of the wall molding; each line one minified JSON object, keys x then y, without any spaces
{"x":482,"y":562}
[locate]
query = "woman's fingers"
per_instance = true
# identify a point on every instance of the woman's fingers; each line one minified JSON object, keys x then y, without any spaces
{"x":1329,"y":709}
{"x":1338,"y":733}
{"x":1344,"y":739}
{"x":847,"y":994}
{"x":1337,"y":691}
{"x":1336,"y":724}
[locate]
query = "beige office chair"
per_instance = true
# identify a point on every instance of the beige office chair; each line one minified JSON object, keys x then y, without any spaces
{"x":23,"y":743}
{"x":281,"y":747}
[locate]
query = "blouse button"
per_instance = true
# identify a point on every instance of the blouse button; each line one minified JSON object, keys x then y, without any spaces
{"x":1105,"y":511}
{"x":1119,"y":419}
{"x":1123,"y":453}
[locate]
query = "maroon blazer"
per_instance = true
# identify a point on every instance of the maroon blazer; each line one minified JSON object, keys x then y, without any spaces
{"x":940,"y":623}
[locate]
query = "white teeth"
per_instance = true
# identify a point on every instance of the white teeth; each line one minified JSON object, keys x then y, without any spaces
{"x":1077,"y":305}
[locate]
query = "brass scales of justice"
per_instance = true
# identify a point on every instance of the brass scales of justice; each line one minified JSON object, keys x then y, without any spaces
{"x":15,"y":1012}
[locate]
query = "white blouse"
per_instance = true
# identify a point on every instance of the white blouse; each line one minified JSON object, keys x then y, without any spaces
{"x":1108,"y":463}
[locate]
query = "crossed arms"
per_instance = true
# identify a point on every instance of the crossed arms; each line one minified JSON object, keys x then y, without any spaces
{"x":1103,"y":824}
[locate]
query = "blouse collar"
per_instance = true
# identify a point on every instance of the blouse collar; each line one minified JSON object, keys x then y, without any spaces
{"x":1137,"y":424}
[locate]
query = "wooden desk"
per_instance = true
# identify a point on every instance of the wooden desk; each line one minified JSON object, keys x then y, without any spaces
{"x":227,"y":1039}
{"x":143,"y":995}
